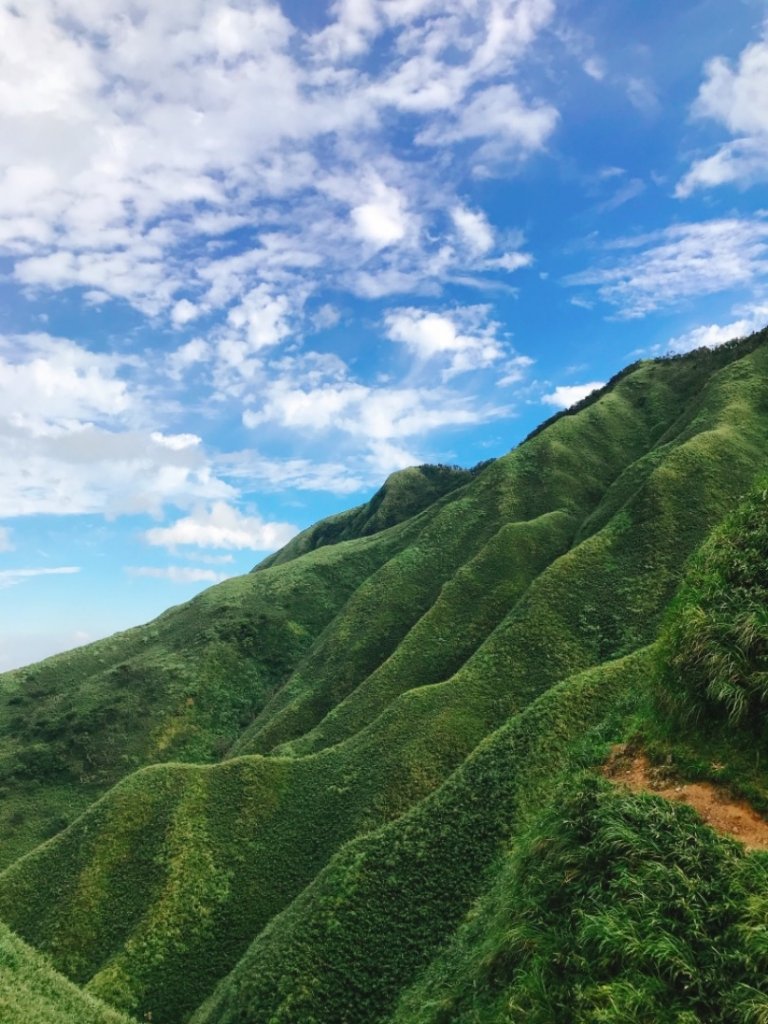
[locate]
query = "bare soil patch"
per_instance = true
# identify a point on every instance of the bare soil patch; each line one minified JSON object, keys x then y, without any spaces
{"x":714,"y":804}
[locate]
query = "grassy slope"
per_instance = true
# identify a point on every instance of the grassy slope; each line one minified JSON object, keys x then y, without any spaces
{"x":32,"y":992}
{"x":388,"y":900}
{"x":556,"y":558}
{"x":181,"y":688}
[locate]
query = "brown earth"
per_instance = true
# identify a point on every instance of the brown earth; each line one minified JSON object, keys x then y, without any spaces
{"x":714,"y":804}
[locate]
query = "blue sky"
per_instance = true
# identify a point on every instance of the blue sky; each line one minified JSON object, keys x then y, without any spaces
{"x":256,"y":256}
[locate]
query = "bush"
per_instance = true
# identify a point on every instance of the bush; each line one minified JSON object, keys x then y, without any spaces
{"x":716,"y":636}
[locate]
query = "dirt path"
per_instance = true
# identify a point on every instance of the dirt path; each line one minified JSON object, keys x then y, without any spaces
{"x":715,"y":806}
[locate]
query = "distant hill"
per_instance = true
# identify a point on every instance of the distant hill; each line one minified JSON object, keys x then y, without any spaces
{"x":361,"y":784}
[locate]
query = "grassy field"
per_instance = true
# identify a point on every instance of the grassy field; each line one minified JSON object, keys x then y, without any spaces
{"x":347,"y":787}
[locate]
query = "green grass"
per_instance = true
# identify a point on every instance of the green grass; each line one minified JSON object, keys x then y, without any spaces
{"x":315,"y":793}
{"x":612,"y":908}
{"x":32,"y":992}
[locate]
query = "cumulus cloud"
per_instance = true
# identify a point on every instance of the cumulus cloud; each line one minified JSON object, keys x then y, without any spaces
{"x":222,"y":526}
{"x":53,"y":379}
{"x":384,"y":219}
{"x":184,"y":312}
{"x":368,"y":414}
{"x":76,"y":436}
{"x":176,"y":442}
{"x":713,"y":335}
{"x":566,"y":395}
{"x":465,"y":337}
{"x":735,"y":98}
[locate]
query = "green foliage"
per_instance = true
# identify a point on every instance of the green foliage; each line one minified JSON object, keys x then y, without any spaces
{"x":612,"y":908}
{"x":716,"y":637}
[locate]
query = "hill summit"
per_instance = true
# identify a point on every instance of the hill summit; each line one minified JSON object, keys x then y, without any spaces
{"x":365,"y":783}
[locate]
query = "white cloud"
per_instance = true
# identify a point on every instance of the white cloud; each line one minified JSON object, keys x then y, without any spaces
{"x":680,"y":262}
{"x":713,"y":335}
{"x":222,"y":526}
{"x":737,"y":99}
{"x":508,"y":127}
{"x":510,"y":261}
{"x":743,"y":162}
{"x":473,"y":226}
{"x":176,"y":442}
{"x":177,"y":573}
{"x":465,"y":337}
{"x":383,"y":220}
{"x":514,"y":370}
{"x":5,"y":539}
{"x":184,"y":312}
{"x":566,"y":395}
{"x":10,"y":577}
{"x":76,"y":437}
{"x":190,"y":354}
{"x":261,"y":318}
{"x":53,"y":379}
{"x":595,"y":68}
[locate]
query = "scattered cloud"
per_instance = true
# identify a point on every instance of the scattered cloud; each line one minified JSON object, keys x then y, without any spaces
{"x":595,"y":68}
{"x":464,"y":337}
{"x":176,"y":442}
{"x":641,"y":93}
{"x":566,"y":395}
{"x":132,"y":156}
{"x":384,"y":219}
{"x":515,"y":370}
{"x":502,"y":124}
{"x":10,"y":577}
{"x":680,"y":262}
{"x":5,"y":539}
{"x":177,"y":573}
{"x":629,"y":190}
{"x":712,"y":335}
{"x":474,"y":228}
{"x":222,"y":526}
{"x":184,"y":312}
{"x":735,"y":98}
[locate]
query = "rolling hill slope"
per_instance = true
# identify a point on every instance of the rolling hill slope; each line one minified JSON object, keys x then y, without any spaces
{"x":299,"y":797}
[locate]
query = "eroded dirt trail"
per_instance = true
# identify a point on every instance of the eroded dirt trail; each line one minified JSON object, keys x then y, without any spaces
{"x":715,"y":805}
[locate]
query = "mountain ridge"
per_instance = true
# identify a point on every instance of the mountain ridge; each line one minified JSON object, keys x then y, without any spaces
{"x":273,"y":782}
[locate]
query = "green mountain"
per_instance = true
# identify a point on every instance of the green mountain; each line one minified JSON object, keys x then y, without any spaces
{"x":361,"y":784}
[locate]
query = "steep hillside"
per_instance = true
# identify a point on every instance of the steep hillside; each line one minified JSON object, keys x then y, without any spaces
{"x":315,"y":792}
